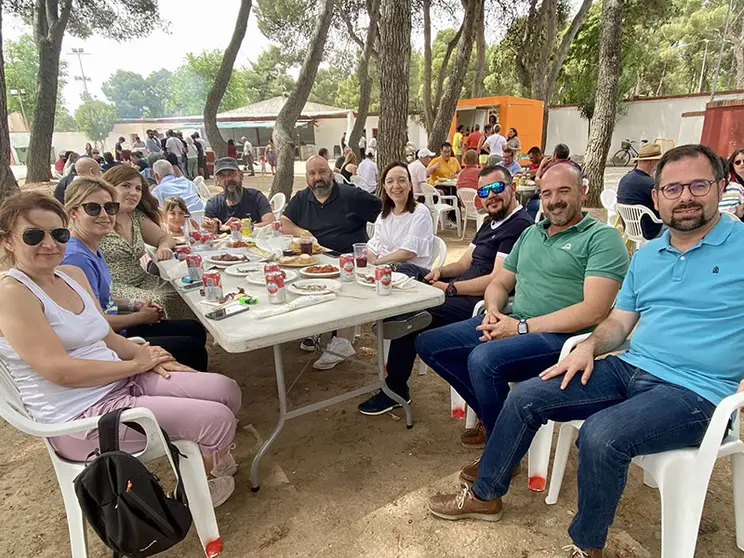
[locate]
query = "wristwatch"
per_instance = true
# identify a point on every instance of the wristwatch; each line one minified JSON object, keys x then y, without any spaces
{"x":522,"y":328}
{"x":451,"y":289}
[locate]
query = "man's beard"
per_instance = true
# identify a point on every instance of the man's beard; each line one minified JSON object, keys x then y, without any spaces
{"x":321,"y":187}
{"x":501,"y":213}
{"x":561,"y":220}
{"x":689,"y":223}
{"x":233,"y":192}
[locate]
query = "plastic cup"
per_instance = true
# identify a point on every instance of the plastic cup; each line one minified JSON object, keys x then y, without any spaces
{"x":360,"y":254}
{"x":306,"y":246}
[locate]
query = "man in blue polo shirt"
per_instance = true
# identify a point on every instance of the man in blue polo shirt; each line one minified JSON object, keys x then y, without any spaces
{"x":685,"y":356}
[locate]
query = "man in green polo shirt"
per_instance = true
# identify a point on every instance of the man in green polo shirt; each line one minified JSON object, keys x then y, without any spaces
{"x":565,"y":273}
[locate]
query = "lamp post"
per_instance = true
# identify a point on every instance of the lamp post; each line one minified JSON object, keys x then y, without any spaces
{"x":79,"y":52}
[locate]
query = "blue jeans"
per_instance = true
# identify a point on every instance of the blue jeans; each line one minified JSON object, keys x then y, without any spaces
{"x":628,"y":412}
{"x":481,"y":371}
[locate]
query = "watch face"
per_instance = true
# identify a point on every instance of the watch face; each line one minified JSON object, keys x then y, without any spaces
{"x":522,"y":328}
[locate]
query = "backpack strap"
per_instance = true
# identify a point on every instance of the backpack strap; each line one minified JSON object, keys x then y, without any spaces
{"x":108,"y":430}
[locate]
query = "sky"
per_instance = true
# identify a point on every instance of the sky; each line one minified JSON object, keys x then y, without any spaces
{"x":193,"y":27}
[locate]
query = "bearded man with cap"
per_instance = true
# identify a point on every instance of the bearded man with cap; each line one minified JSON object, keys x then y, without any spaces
{"x":636,"y":186}
{"x":419,"y":169}
{"x":235,"y":202}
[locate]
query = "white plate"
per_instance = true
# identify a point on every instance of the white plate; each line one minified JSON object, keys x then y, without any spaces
{"x":305,"y":273}
{"x":250,"y":258}
{"x":329,"y":286}
{"x":258,"y":277}
{"x":398,"y":278}
{"x":243,"y":269}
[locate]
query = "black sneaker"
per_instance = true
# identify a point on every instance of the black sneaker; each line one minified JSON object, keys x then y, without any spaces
{"x":395,"y":329}
{"x":309,"y":344}
{"x":379,"y":404}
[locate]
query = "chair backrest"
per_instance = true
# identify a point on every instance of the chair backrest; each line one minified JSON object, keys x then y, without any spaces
{"x":277,"y":202}
{"x":370,"y":230}
{"x":438,"y":253}
{"x":340,"y":179}
{"x":431,"y":196}
{"x":197,"y":215}
{"x":539,"y":214}
{"x":358,"y":181}
{"x":631,"y":216}
{"x":608,"y":199}
{"x":467,"y":197}
{"x":201,"y":188}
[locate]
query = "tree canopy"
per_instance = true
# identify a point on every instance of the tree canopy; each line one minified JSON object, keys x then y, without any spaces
{"x":96,"y":119}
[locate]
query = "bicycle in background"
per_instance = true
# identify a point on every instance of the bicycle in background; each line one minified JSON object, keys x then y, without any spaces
{"x":626,"y":153}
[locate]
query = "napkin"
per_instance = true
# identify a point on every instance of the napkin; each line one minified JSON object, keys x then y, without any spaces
{"x":302,"y":302}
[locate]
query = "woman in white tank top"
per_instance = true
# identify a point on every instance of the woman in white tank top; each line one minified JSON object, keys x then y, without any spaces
{"x":68,"y":363}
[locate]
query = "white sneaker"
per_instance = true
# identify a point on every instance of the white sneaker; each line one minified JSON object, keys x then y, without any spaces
{"x":224,"y":466}
{"x":221,"y":489}
{"x":337,"y":351}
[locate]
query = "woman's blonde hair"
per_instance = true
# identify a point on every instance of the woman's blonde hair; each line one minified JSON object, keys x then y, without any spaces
{"x":82,"y":187}
{"x":350,"y":159}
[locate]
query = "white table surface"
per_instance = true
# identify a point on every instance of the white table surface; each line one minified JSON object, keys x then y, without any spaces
{"x":243,"y":332}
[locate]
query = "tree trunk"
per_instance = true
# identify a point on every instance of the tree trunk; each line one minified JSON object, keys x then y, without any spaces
{"x":395,"y":62}
{"x":448,"y":103}
{"x":8,"y":184}
{"x":608,"y":83}
{"x":428,"y":105}
{"x":737,"y":45}
{"x":292,"y":109}
{"x":214,"y":98}
{"x":365,"y":81}
{"x":480,"y":53}
{"x":49,"y":28}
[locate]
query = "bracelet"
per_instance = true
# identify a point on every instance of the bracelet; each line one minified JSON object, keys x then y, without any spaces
{"x":131,"y":304}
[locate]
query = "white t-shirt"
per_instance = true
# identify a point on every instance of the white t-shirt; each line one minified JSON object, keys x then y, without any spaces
{"x":373,"y":143}
{"x":174,"y":145}
{"x":496,"y":142}
{"x":367,"y":170}
{"x":362,"y":142}
{"x":418,"y":175}
{"x":409,"y":231}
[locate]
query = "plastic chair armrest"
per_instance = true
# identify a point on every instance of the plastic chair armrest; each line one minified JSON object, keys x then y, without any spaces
{"x":480,"y":308}
{"x":717,"y":428}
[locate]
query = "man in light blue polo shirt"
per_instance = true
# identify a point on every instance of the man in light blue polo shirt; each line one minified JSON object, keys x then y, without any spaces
{"x":170,"y":185}
{"x":687,"y":353}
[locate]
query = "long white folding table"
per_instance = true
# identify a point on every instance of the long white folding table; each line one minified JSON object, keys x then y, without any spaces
{"x":244,"y":332}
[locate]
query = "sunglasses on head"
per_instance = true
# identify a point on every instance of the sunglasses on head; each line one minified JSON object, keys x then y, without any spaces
{"x":495,"y":187}
{"x":34,"y":236}
{"x":94,"y":209}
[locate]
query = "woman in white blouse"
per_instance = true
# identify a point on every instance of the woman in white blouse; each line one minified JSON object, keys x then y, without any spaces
{"x":404,"y":230}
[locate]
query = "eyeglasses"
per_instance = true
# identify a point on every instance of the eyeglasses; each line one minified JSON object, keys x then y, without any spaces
{"x":34,"y":236}
{"x":739,"y":162}
{"x":495,"y":187}
{"x":697,"y":188}
{"x":94,"y":209}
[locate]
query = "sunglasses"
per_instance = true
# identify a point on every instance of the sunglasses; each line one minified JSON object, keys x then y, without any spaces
{"x":94,"y":209}
{"x":495,"y":187}
{"x":32,"y":237}
{"x":739,"y":162}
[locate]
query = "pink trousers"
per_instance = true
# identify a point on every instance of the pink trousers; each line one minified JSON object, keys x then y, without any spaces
{"x":200,"y":407}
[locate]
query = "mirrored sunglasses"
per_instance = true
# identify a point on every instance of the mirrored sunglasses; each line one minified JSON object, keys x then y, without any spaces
{"x":495,"y":187}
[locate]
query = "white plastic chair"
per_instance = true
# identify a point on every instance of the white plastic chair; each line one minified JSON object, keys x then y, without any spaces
{"x":278,"y":202}
{"x":340,"y":179}
{"x":468,"y":197}
{"x":192,"y":467}
{"x":631,"y":216}
{"x":436,"y":204}
{"x":370,"y":230}
{"x":682,"y":475}
{"x":539,"y":215}
{"x":201,"y":188}
{"x":609,"y":201}
{"x":438,"y":253}
{"x":358,"y":181}
{"x":197,"y":215}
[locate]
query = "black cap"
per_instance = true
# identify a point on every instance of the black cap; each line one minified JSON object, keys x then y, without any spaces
{"x":225,"y":163}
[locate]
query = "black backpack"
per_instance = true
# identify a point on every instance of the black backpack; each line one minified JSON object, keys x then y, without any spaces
{"x":124,"y":502}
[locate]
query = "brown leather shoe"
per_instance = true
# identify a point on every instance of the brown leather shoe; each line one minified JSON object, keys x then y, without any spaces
{"x":576,"y":552}
{"x":465,"y":505}
{"x":474,"y":438}
{"x":470,"y":473}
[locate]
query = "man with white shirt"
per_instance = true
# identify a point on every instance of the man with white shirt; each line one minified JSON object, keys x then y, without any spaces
{"x":373,"y":142}
{"x":362,"y":144}
{"x":495,"y":143}
{"x":170,"y":185}
{"x":367,"y":171}
{"x":418,"y":169}
{"x":248,"y":156}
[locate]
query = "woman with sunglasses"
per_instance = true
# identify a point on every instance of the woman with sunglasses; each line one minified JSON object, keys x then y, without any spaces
{"x":137,"y":224}
{"x":732,"y":200}
{"x":69,"y":364}
{"x":90,"y":204}
{"x":403,"y":231}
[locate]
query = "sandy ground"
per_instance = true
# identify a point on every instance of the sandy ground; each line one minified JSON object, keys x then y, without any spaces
{"x":337,"y":484}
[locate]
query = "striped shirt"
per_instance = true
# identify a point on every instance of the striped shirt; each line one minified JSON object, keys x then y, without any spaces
{"x":733,"y":195}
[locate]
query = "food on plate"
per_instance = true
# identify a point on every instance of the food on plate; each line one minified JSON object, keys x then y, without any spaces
{"x":229,"y":258}
{"x":317,"y":269}
{"x":369,"y":279}
{"x":239,"y":244}
{"x":303,"y":260}
{"x":261,"y":252}
{"x":233,"y":296}
{"x":311,"y":288}
{"x":317,"y":249}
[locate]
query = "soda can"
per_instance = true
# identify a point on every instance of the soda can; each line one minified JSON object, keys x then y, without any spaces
{"x":246,"y":227}
{"x":346,"y":263}
{"x":277,"y":225}
{"x":275,"y":286}
{"x":272,"y":268}
{"x":194,"y":265}
{"x":384,"y":279}
{"x":212,"y":286}
{"x":236,"y":231}
{"x":181,"y":252}
{"x":207,"y":241}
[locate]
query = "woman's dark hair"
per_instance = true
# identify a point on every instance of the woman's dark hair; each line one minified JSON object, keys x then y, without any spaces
{"x":516,"y":134}
{"x":387,"y":202}
{"x":690,"y":151}
{"x":230,"y":142}
{"x":460,"y":127}
{"x":732,"y":170}
{"x":148,"y":204}
{"x":108,"y":157}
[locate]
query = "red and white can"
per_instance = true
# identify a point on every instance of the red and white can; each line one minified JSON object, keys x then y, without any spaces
{"x":384,"y":279}
{"x":346,"y":264}
{"x":207,"y":241}
{"x":236,"y":231}
{"x":275,"y":286}
{"x":271,"y":268}
{"x":212,"y":286}
{"x":276,"y":225}
{"x":194,"y":265}
{"x":180,"y":252}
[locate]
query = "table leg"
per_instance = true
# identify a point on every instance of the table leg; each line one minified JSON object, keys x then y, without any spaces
{"x":381,"y":372}
{"x":282,"y":391}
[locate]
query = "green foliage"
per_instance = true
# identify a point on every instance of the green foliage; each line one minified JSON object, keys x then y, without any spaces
{"x":131,"y":94}
{"x":289,"y":23}
{"x":96,"y":119}
{"x":268,"y":76}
